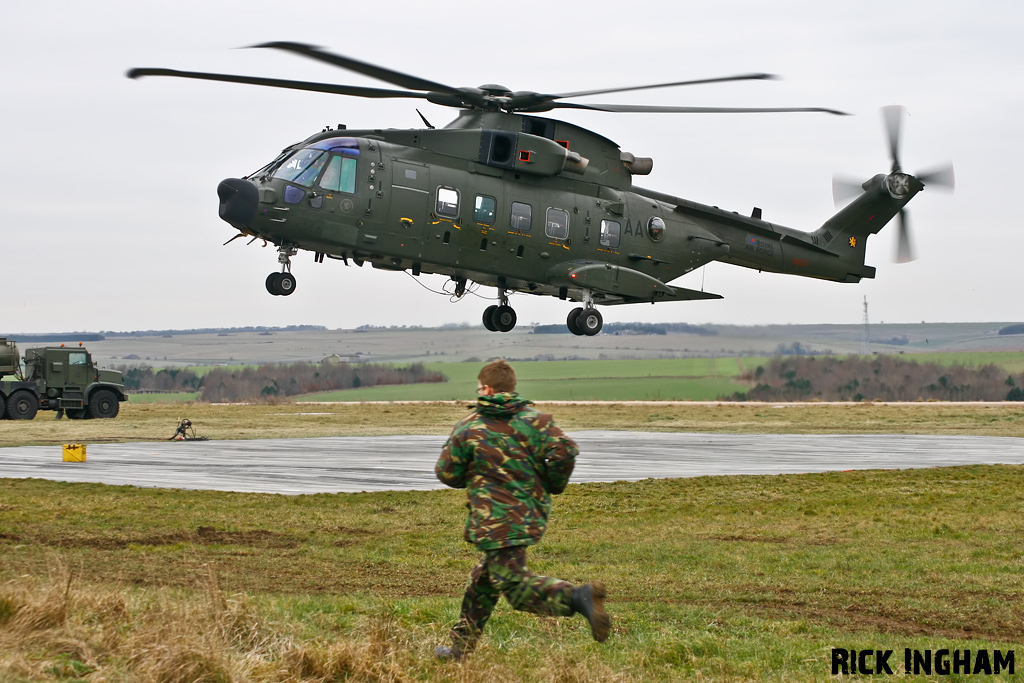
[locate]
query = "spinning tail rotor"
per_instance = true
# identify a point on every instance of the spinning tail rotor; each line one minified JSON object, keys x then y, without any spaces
{"x":897,"y":182}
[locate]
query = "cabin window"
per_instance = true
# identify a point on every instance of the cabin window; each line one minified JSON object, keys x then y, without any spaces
{"x":656,"y":228}
{"x":340,"y":175}
{"x":611,"y":233}
{"x":484,"y":210}
{"x":447,"y":202}
{"x":521,"y":217}
{"x":77,"y":359}
{"x":302,"y":167}
{"x":556,"y":224}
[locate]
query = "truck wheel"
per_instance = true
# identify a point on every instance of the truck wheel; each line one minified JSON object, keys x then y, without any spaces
{"x":103,"y":404}
{"x":22,"y":405}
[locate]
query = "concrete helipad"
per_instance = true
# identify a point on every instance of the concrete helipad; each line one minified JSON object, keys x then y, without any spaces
{"x":336,"y":464}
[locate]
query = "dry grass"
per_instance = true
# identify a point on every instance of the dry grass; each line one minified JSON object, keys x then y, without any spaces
{"x":712,"y":578}
{"x":156,"y":422}
{"x":58,"y":629}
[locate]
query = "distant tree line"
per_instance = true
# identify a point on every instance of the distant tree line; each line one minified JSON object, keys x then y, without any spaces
{"x":272,"y":382}
{"x":66,"y":337}
{"x":1013,"y":329}
{"x":144,"y":379}
{"x":885,"y":378}
{"x":214,"y":330}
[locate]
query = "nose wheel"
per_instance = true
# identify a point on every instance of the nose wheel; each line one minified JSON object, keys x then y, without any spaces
{"x":283,"y":283}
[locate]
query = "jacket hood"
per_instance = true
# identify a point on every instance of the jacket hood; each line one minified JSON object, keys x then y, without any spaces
{"x":501,"y":405}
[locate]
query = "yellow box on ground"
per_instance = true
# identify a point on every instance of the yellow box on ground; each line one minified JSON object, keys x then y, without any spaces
{"x":74,"y":452}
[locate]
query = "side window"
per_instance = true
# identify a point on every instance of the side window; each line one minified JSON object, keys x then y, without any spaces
{"x":484,"y":209}
{"x":611,"y":232}
{"x":76,"y":359}
{"x":556,"y":224}
{"x":340,"y":175}
{"x":521,"y":217}
{"x":447,"y":202}
{"x":656,"y":228}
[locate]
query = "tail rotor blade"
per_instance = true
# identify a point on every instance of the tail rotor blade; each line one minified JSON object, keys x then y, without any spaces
{"x":941,"y":177}
{"x":893,"y":115}
{"x":845,"y":189}
{"x":904,"y":253}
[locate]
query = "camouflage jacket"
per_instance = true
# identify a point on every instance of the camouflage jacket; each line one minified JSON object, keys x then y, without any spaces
{"x":511,"y":458}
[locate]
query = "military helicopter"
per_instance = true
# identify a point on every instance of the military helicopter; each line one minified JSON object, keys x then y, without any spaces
{"x":524,"y":203}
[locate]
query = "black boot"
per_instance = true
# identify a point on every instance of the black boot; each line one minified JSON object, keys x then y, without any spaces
{"x":589,"y":601}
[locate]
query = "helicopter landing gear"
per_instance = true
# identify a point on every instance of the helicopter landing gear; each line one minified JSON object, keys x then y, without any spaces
{"x":283,"y":283}
{"x":585,"y":320}
{"x":280,"y":284}
{"x":500,"y":318}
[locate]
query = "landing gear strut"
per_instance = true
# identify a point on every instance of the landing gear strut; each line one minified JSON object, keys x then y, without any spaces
{"x":283,"y":283}
{"x":500,"y":318}
{"x":586,"y":320}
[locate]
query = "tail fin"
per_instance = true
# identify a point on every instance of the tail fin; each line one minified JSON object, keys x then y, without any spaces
{"x":846,"y":233}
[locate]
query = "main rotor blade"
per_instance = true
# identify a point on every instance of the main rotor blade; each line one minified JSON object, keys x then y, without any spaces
{"x":740,"y":77}
{"x":279,"y":83}
{"x":658,"y":109}
{"x":893,"y":116}
{"x":904,"y":254}
{"x":941,"y":177}
{"x":365,"y":68}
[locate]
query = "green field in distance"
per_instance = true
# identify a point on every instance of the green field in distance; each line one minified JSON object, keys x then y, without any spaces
{"x":695,"y":379}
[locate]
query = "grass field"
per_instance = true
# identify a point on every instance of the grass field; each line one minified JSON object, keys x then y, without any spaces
{"x":692,"y":379}
{"x":683,"y":379}
{"x":711,"y":579}
{"x":695,"y":379}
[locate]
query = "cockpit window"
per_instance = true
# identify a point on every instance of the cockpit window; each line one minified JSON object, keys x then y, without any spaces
{"x":348,"y":146}
{"x":302,"y":167}
{"x":340,"y":175}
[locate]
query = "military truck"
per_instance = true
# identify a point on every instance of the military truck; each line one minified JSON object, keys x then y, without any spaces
{"x":56,"y":378}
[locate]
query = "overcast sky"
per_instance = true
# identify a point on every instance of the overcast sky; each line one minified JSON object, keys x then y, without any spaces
{"x":109,"y":205}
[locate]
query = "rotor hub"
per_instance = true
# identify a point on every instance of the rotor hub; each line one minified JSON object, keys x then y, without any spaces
{"x":898,"y":184}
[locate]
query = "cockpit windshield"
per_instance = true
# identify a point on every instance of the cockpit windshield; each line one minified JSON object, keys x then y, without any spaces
{"x":302,"y":167}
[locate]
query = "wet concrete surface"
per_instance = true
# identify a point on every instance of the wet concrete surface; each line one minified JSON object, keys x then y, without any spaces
{"x":345,"y":464}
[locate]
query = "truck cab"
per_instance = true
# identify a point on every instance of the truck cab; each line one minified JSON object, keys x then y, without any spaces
{"x":58,"y":378}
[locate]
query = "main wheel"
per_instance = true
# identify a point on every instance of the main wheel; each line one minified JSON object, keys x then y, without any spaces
{"x":285,"y":284}
{"x":489,"y":318}
{"x":272,"y":284}
{"x":22,"y":405}
{"x":590,"y":321}
{"x":572,"y":322}
{"x":103,"y":404}
{"x":504,"y":318}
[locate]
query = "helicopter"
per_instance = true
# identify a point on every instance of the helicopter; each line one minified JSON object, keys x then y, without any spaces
{"x":522,"y":203}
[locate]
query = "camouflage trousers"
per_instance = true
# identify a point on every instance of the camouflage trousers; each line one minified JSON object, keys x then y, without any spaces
{"x":503,"y":572}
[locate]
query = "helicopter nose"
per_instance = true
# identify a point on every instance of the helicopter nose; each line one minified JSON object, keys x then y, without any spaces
{"x":239,"y":200}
